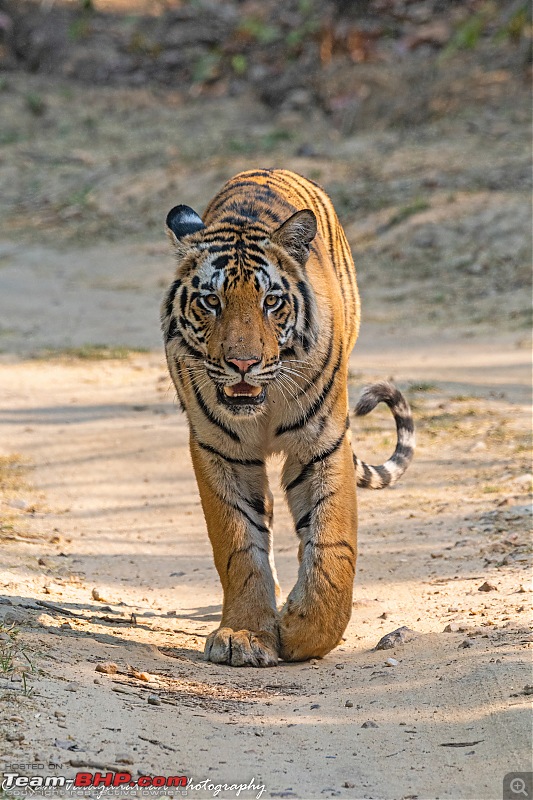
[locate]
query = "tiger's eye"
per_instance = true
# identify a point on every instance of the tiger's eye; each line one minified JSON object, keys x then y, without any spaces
{"x":272,"y":300}
{"x":212,"y":300}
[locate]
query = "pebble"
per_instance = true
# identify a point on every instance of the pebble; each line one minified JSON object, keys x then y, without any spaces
{"x":22,"y":504}
{"x":454,"y":627}
{"x":487,"y":587}
{"x":478,"y":446}
{"x":154,"y":700}
{"x":107,"y":667}
{"x":394,"y":638}
{"x":59,"y":715}
{"x":466,"y":643}
{"x":15,"y":719}
{"x":124,"y":758}
{"x":15,"y":737}
{"x":95,"y":594}
{"x":391,"y":662}
{"x":339,"y":666}
{"x":369,"y":724}
{"x":72,"y":687}
{"x":348,"y":704}
{"x":315,"y":705}
{"x":14,"y":616}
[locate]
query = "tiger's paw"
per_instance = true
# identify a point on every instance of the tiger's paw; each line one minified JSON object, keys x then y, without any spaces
{"x":241,"y":648}
{"x":303,"y":638}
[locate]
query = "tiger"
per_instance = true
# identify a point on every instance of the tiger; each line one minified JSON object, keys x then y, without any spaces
{"x":258,"y":326}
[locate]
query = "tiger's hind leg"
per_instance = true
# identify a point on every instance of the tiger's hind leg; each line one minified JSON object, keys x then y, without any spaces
{"x":238,"y":512}
{"x":322,"y":498}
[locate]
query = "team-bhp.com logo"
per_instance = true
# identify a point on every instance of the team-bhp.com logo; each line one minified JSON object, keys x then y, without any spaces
{"x":123,"y":782}
{"x":84,"y":780}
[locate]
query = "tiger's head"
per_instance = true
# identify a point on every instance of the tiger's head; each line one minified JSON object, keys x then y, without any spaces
{"x":240,"y":303}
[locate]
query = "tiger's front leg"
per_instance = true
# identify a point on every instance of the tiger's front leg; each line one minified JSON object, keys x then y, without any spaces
{"x":322,"y":498}
{"x":238,"y":509}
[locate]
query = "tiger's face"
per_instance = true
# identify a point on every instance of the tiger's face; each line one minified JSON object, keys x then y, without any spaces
{"x":240,"y":301}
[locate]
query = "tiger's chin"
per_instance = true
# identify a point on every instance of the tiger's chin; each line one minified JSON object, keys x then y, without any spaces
{"x":242,"y":398}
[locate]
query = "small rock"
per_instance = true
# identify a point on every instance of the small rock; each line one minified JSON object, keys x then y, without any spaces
{"x":71,"y":687}
{"x":478,"y":446}
{"x":347,"y":785}
{"x":528,"y":689}
{"x":15,"y":719}
{"x":315,"y":705}
{"x":391,"y":662}
{"x":141,"y":676}
{"x":95,"y":594}
{"x":108,"y":667}
{"x":17,"y":503}
{"x":369,"y":724}
{"x":14,"y":737}
{"x":59,"y":715}
{"x":339,"y":666}
{"x":451,"y":627}
{"x":154,"y":700}
{"x":383,"y":616}
{"x":466,"y":643}
{"x":487,"y":587}
{"x":348,"y":704}
{"x":14,"y":616}
{"x":97,"y":681}
{"x":394,"y":638}
{"x":124,"y":758}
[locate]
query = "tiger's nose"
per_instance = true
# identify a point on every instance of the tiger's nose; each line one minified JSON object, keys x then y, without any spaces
{"x":243,"y":364}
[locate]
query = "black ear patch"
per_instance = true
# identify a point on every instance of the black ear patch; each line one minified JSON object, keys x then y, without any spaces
{"x":296,"y":234}
{"x":182,"y":220}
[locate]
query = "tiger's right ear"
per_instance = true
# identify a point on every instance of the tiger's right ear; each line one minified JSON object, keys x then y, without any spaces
{"x":181,"y":221}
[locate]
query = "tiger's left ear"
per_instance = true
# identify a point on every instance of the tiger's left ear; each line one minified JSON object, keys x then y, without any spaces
{"x":181,"y":221}
{"x":296,"y":234}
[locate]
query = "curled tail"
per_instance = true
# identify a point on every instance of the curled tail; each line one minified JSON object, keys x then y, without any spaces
{"x":388,"y":473}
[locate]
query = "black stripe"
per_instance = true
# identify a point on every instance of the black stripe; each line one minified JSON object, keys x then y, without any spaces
{"x":304,"y":291}
{"x":325,"y":545}
{"x":315,"y":407}
{"x":319,"y":457}
{"x":304,"y":521}
{"x":326,"y":576}
{"x":366,"y":478}
{"x":171,"y":295}
{"x":241,"y":462}
{"x":207,"y":412}
{"x":244,"y":550}
{"x":320,"y":371}
{"x":183,"y":300}
{"x":257,"y":503}
{"x":175,"y":333}
{"x":250,"y":519}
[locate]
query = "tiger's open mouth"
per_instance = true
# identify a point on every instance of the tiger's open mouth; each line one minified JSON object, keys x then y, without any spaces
{"x":242,"y":394}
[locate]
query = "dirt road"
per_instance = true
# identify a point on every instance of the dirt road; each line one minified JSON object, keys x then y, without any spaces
{"x":104,"y":552}
{"x":113,"y":507}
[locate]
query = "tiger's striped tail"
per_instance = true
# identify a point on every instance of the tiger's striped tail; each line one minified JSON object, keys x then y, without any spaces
{"x":369,"y":477}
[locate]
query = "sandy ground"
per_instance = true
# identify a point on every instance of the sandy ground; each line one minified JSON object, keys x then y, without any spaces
{"x":105,"y":557}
